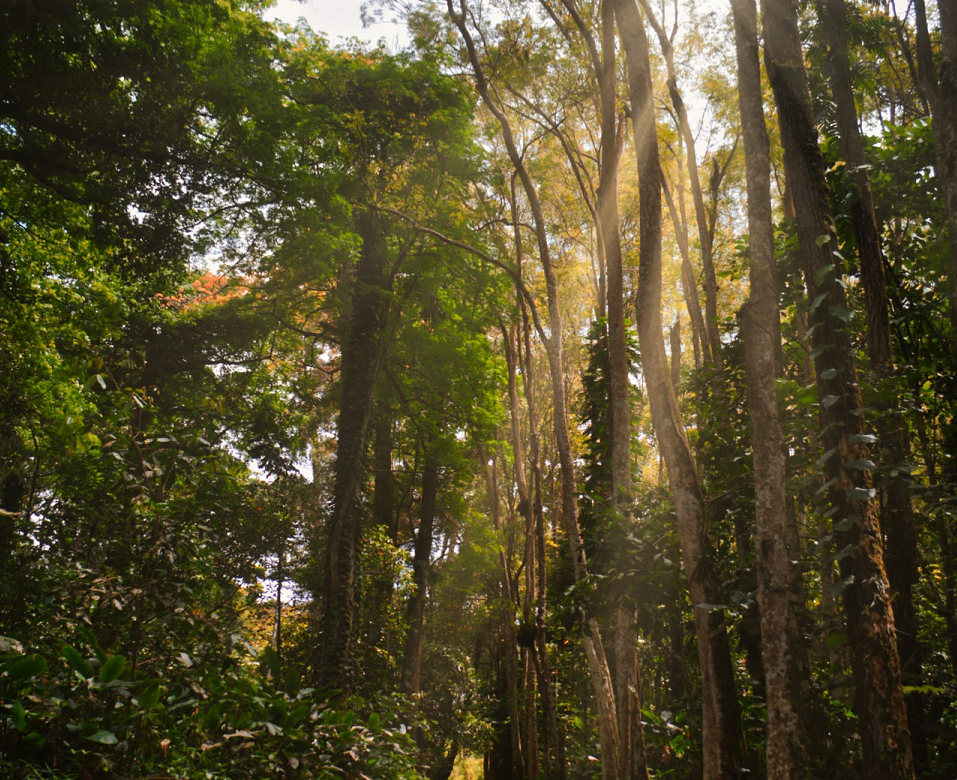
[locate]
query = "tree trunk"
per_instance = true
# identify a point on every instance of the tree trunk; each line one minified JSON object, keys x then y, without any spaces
{"x":542,"y":665}
{"x":779,"y":579}
{"x":702,"y":350}
{"x":383,"y":509}
{"x":897,"y":516}
{"x":940,"y":86}
{"x":705,"y":236}
{"x":721,"y":723}
{"x":633,"y":763}
{"x":526,"y":511}
{"x":867,"y":603}
{"x":421,"y":564}
{"x":361,"y":350}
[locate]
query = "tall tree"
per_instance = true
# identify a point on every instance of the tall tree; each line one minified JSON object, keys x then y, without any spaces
{"x":712,"y":348}
{"x":879,"y":701}
{"x":939,"y":84}
{"x":722,"y":731}
{"x":776,"y":537}
{"x":897,"y":516}
{"x":403,"y":115}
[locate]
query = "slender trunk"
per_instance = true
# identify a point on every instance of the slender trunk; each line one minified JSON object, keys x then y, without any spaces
{"x":542,"y":665}
{"x":705,"y":236}
{"x":594,"y":650}
{"x":619,"y":408}
{"x":360,"y":365}
{"x":530,"y":720}
{"x":383,"y":509}
{"x":421,"y":565}
{"x":940,"y":86}
{"x":867,"y":603}
{"x":779,"y":580}
{"x":897,"y":516}
{"x":633,"y":763}
{"x":722,"y":732}
{"x":702,"y":351}
{"x":277,"y":615}
{"x":676,"y":355}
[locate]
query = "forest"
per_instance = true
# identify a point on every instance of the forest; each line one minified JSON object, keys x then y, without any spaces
{"x":568,"y":393}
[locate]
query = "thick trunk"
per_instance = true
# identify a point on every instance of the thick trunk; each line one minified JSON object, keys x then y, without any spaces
{"x":897,"y":516}
{"x":360,"y":365}
{"x":878,"y":698}
{"x":779,"y":581}
{"x":722,"y":733}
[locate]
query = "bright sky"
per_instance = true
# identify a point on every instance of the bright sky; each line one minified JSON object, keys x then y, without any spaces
{"x":337,"y":19}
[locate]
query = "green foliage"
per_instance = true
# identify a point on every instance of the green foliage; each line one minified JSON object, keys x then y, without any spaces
{"x":209,"y":718}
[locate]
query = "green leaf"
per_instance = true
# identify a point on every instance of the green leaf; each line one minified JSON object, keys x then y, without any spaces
{"x":846,"y":524}
{"x":77,"y":662}
{"x":836,"y":639}
{"x":837,"y":589}
{"x":104,"y":737}
{"x":28,"y":666}
{"x":822,"y":239}
{"x":861,"y":494}
{"x":817,"y":302}
{"x":839,"y":556}
{"x":842,"y":312}
{"x":19,"y":716}
{"x":149,"y":697}
{"x":821,"y":274}
{"x":112,"y":669}
{"x":269,"y":662}
{"x":292,"y":681}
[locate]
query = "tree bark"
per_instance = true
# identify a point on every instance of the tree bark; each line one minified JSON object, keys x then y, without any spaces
{"x":557,"y":770}
{"x":361,"y":350}
{"x":421,"y":564}
{"x":940,"y":86}
{"x":383,"y":509}
{"x":705,"y":235}
{"x":633,"y":763}
{"x":702,"y":350}
{"x":529,"y":722}
{"x":779,"y":580}
{"x":721,"y":722}
{"x":879,"y":701}
{"x":897,"y":516}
